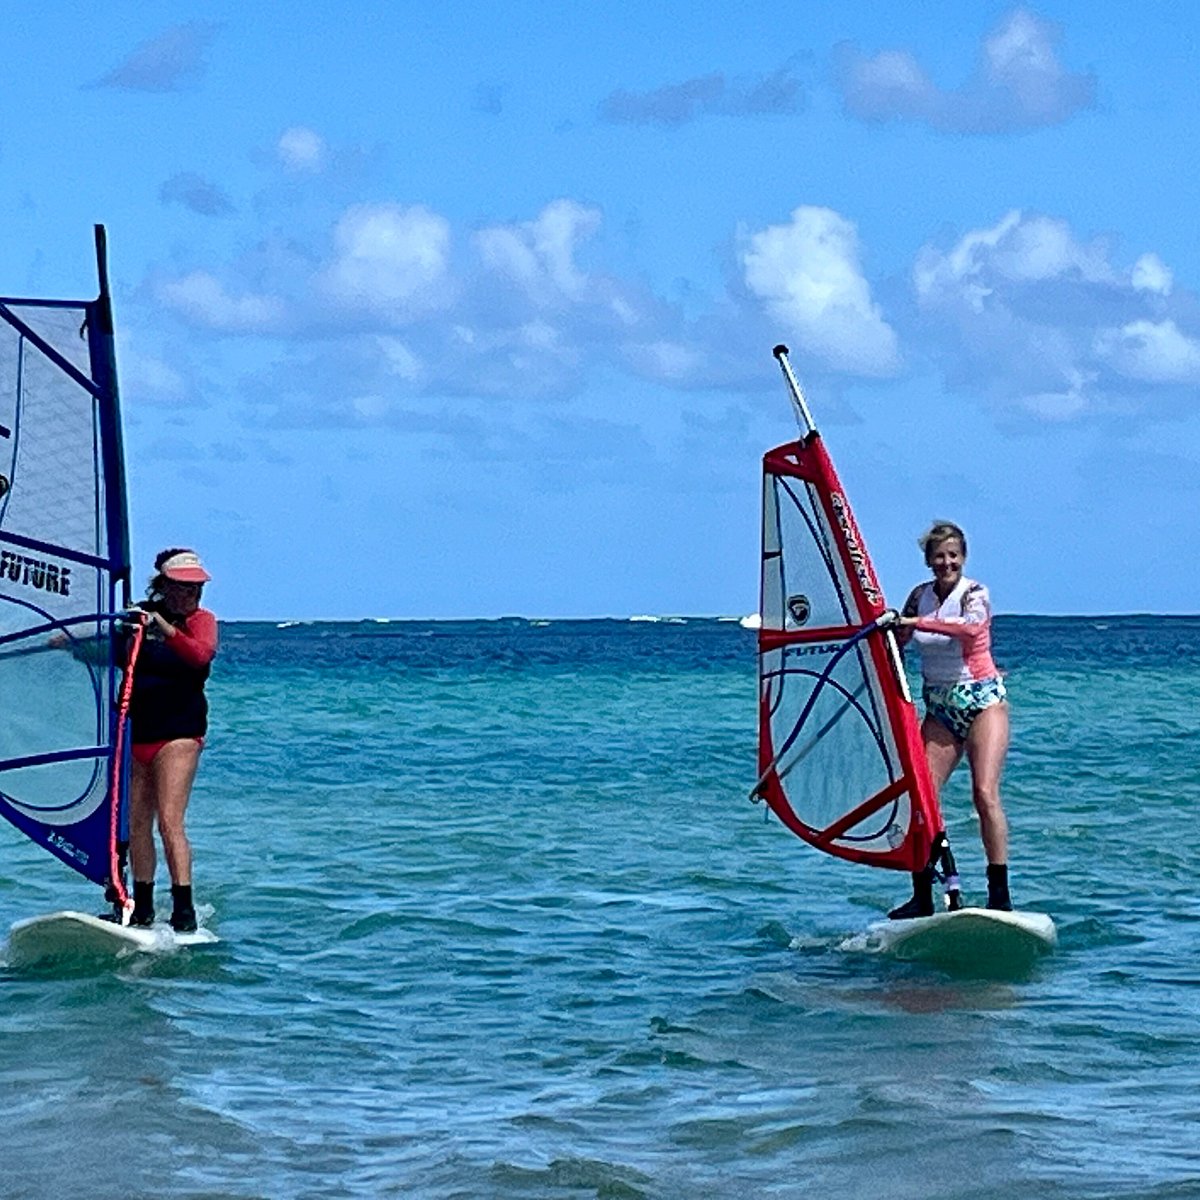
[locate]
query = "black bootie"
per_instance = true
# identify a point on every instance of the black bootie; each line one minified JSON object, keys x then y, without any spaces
{"x":921,"y":904}
{"x":998,"y":897}
{"x":143,"y":904}
{"x":183,"y":914}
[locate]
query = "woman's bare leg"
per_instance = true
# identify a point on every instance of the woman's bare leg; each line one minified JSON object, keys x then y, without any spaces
{"x":942,"y":749}
{"x":141,"y":821}
{"x":987,"y":744}
{"x":174,"y":769}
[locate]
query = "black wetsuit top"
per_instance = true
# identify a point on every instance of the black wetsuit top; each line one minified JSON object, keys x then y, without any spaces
{"x":168,"y":700}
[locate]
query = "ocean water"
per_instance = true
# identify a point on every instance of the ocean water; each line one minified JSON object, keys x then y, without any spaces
{"x":498,"y":920}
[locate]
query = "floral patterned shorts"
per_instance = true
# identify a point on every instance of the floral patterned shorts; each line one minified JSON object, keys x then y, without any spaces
{"x":956,"y":705}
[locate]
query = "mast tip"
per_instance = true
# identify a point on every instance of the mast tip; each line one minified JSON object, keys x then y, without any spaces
{"x":780,"y":350}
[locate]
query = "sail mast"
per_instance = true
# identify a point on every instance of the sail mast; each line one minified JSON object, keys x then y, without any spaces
{"x":799,"y":403}
{"x":102,"y":339}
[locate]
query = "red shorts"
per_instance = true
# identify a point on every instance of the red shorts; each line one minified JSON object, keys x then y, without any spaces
{"x":146,"y":752}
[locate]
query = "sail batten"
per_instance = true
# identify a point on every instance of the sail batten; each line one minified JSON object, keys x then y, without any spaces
{"x":840,"y":756}
{"x":87,"y":560}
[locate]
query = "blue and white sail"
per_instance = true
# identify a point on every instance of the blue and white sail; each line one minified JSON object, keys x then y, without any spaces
{"x":64,"y":575}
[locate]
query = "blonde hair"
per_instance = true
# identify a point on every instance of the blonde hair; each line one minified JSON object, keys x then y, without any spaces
{"x":938,"y":532}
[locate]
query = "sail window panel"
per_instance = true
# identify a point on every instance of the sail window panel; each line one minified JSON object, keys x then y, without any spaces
{"x":876,"y":705}
{"x":63,"y":326}
{"x":841,"y":756}
{"x":812,"y":582}
{"x":57,"y":794}
{"x":58,"y":710}
{"x":52,"y":453}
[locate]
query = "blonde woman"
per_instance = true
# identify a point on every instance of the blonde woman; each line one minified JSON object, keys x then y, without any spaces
{"x":966,"y":710}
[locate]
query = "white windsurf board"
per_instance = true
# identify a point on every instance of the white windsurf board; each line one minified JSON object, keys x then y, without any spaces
{"x":72,"y":935}
{"x":983,"y":938}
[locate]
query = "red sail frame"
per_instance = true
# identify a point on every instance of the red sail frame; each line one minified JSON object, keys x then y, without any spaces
{"x":808,"y":461}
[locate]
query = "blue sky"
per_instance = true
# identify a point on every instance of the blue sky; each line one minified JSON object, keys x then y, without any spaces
{"x":449,"y":311}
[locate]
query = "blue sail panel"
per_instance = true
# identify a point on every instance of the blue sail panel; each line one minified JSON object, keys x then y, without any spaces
{"x":63,"y":574}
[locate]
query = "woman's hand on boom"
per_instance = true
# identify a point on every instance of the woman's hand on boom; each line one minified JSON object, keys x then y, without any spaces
{"x":154,"y":622}
{"x":162,"y":625}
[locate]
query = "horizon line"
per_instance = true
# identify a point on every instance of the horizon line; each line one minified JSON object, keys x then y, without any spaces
{"x":663,"y":618}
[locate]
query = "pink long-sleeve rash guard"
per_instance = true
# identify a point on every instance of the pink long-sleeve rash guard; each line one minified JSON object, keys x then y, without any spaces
{"x":955,"y":635}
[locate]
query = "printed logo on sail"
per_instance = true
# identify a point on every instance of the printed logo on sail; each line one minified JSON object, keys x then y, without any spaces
{"x":858,"y":556}
{"x":799,"y":609}
{"x":35,"y":573}
{"x":72,"y":851}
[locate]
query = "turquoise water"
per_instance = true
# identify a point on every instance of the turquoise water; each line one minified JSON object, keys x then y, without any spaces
{"x":498,"y":921}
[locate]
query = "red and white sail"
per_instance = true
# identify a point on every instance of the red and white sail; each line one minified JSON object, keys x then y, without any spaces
{"x":840,"y":756}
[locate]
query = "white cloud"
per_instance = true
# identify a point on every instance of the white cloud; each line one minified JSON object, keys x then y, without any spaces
{"x":668,"y":361}
{"x":1019,"y":57}
{"x":203,"y":299}
{"x":1043,"y":248}
{"x":539,"y":335}
{"x":890,"y":85}
{"x":370,"y":408}
{"x":1026,"y":311}
{"x":149,"y":378}
{"x":152,"y":378}
{"x":1018,"y":83}
{"x":1063,"y":405}
{"x":405,"y":307}
{"x":960,"y":269}
{"x":539,"y":256}
{"x":1017,"y":249}
{"x":1151,"y":274}
{"x":390,"y":261}
{"x":301,"y":149}
{"x":1152,"y":351}
{"x":808,"y":276}
{"x":399,"y":360}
